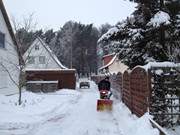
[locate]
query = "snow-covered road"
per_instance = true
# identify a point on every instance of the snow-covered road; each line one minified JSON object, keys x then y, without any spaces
{"x":69,"y":112}
{"x":83,"y":119}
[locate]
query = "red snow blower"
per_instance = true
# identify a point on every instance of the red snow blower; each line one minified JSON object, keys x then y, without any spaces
{"x":104,"y":103}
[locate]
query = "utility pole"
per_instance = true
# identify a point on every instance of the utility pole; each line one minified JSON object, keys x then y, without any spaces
{"x":71,"y":47}
{"x":71,"y":55}
{"x":161,"y":4}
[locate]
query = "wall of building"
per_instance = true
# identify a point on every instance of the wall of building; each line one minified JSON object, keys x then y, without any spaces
{"x":9,"y":58}
{"x":65,"y":78}
{"x":31,"y":52}
{"x":117,"y":66}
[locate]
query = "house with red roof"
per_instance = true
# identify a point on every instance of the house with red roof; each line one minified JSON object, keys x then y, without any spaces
{"x":112,"y":65}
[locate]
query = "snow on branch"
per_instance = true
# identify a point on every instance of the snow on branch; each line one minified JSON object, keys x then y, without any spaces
{"x":113,"y":31}
{"x":160,"y":64}
{"x":136,"y":33}
{"x":110,"y":32}
{"x":160,"y":18}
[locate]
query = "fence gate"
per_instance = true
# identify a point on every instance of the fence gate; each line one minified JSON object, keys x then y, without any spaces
{"x":165,"y":98}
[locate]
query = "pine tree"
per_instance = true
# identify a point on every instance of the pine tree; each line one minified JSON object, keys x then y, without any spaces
{"x":143,"y":38}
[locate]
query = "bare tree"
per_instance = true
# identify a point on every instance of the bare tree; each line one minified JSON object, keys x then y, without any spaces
{"x":10,"y":66}
{"x":24,"y":31}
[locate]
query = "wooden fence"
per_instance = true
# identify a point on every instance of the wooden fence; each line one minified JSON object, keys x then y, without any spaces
{"x":65,"y":78}
{"x":136,"y":89}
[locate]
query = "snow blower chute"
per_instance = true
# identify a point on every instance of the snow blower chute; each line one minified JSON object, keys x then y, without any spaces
{"x":104,"y":103}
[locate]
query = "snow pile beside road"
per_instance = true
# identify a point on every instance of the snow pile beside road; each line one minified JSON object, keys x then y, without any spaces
{"x":34,"y":106}
{"x":132,"y":125}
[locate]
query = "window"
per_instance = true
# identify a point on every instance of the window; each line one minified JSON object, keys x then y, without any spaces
{"x":31,"y":60}
{"x":42,"y":59}
{"x":2,"y":40}
{"x":36,"y":47}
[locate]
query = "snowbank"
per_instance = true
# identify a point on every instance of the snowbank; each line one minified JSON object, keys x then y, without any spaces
{"x":34,"y":106}
{"x":132,"y":125}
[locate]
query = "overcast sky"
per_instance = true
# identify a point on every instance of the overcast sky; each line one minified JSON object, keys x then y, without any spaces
{"x":54,"y":13}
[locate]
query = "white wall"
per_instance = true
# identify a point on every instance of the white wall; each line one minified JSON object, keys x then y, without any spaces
{"x":49,"y":61}
{"x":9,"y":58}
{"x":117,"y":66}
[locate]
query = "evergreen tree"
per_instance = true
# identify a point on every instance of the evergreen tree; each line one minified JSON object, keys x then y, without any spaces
{"x":150,"y":34}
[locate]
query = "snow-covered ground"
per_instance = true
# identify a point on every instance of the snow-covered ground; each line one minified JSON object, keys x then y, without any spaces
{"x":174,"y":131}
{"x":68,"y":112}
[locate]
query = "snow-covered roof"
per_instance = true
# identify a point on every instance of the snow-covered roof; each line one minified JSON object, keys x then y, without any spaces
{"x":112,"y":54}
{"x":159,"y":19}
{"x":52,"y":54}
{"x":110,"y":63}
{"x":7,"y":21}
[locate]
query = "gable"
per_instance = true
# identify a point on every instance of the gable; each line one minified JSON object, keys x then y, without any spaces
{"x":5,"y":19}
{"x":117,"y":66}
{"x":10,"y":44}
{"x":9,"y":57}
{"x":42,"y":55}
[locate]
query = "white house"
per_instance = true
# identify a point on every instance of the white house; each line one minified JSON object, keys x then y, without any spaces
{"x":9,"y":60}
{"x":40,"y":56}
{"x":113,"y":66}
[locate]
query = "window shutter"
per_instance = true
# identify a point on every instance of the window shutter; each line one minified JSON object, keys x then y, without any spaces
{"x":2,"y":40}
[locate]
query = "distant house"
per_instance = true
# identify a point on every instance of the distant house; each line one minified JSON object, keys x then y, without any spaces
{"x":112,"y":65}
{"x":9,"y":59}
{"x":44,"y":68}
{"x":40,"y":56}
{"x":107,"y":58}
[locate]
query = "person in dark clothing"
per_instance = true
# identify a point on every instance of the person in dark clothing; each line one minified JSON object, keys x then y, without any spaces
{"x":105,"y":85}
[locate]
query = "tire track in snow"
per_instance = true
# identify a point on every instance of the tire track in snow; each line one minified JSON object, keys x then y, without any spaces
{"x":90,"y":121}
{"x":52,"y":116}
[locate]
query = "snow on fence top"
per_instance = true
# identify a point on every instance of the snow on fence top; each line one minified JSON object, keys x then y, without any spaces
{"x":42,"y":82}
{"x":159,"y":19}
{"x":160,"y":64}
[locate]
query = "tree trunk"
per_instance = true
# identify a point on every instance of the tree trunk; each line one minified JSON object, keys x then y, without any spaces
{"x":20,"y":91}
{"x":161,"y":4}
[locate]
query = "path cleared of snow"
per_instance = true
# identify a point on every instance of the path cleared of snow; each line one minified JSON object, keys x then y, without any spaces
{"x":68,"y":112}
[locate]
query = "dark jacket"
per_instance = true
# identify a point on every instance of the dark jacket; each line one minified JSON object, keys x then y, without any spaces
{"x":104,"y":85}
